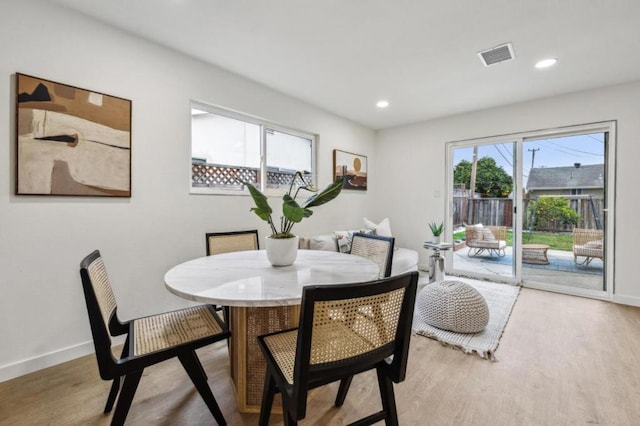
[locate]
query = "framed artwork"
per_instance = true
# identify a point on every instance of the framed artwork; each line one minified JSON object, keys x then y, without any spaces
{"x":71,"y":141}
{"x":353,"y":167}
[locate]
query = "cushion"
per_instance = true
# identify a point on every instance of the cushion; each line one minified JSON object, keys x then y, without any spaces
{"x":487,"y":235}
{"x":453,"y":306}
{"x":383,"y":228}
{"x":327,"y":242}
{"x":474,"y":232}
{"x":404,"y":260}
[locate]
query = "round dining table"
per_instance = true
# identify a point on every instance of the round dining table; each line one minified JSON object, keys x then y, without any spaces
{"x":261,"y":299}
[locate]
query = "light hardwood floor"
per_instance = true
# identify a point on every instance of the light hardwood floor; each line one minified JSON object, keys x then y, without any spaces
{"x":562,"y":360}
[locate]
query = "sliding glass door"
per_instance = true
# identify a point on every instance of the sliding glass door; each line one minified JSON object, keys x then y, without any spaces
{"x":534,"y":208}
{"x":482,"y":201}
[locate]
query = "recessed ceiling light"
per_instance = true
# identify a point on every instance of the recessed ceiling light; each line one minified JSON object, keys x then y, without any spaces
{"x":382,"y":104}
{"x":545,"y":63}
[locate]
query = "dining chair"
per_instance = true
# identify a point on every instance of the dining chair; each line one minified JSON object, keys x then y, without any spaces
{"x":376,"y":248}
{"x":225,"y":242}
{"x":149,"y":340}
{"x":370,"y":330}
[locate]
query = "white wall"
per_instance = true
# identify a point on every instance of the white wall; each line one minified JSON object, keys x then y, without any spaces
{"x":42,"y":239}
{"x":414,"y":165}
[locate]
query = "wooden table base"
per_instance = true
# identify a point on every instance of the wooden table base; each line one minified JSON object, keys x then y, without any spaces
{"x":248,"y":367}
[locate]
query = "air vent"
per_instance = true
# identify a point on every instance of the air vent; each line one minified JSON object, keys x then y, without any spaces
{"x":497,"y":54}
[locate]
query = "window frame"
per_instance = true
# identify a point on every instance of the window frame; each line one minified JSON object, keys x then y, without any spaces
{"x":265,"y":126}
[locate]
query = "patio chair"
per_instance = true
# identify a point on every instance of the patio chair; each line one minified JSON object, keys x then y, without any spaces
{"x":370,"y":329}
{"x":149,"y":340}
{"x":588,"y":243}
{"x":490,"y":239}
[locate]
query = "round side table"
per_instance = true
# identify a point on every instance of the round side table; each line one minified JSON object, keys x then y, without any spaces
{"x":436,"y":262}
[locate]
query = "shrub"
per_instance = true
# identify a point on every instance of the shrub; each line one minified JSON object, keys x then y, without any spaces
{"x":551,"y":212}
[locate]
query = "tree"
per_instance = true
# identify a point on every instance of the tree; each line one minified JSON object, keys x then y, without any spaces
{"x":491,"y":180}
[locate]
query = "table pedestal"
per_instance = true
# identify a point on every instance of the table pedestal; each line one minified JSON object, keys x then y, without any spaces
{"x":248,"y":367}
{"x":436,"y":268}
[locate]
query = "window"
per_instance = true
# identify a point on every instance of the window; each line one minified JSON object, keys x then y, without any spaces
{"x":228,"y":147}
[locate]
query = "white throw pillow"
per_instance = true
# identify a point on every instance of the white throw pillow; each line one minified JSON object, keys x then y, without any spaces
{"x":383,"y":228}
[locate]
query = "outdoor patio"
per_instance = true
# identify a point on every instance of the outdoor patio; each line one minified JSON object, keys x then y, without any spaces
{"x":561,"y":269}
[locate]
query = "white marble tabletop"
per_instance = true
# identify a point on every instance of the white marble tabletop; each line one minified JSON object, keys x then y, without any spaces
{"x":246,"y":278}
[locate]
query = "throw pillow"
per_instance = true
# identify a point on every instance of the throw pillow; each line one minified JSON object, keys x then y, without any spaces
{"x":383,"y":228}
{"x":487,"y":235}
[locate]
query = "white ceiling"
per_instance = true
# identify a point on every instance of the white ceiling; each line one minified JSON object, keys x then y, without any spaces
{"x":344,"y":55}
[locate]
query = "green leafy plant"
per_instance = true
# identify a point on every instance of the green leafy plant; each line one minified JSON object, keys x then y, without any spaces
{"x":292,"y":212}
{"x":436,"y":229}
{"x":552,"y":212}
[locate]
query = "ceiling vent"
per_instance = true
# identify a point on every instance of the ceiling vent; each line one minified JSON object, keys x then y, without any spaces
{"x":497,"y":54}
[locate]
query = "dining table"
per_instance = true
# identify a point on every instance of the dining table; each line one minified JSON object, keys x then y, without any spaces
{"x":262,"y":299}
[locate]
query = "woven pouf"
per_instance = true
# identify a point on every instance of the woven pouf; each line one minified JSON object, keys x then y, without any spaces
{"x":453,"y":306}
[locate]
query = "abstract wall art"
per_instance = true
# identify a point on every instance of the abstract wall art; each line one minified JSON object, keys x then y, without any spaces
{"x":353,"y":167}
{"x":71,"y":141}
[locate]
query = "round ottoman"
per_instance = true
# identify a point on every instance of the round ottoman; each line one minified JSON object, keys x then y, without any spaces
{"x":453,"y":306}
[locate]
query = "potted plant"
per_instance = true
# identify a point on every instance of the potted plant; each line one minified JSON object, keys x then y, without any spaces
{"x":436,"y":230}
{"x":282,"y":244}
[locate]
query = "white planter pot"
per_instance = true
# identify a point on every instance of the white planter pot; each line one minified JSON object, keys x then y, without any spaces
{"x":282,"y":251}
{"x":436,"y":240}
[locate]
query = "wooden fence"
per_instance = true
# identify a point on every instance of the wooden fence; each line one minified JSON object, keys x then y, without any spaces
{"x":498,"y":211}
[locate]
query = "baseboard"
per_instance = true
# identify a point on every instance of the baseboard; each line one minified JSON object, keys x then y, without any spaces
{"x":626,"y":300}
{"x":50,"y":359}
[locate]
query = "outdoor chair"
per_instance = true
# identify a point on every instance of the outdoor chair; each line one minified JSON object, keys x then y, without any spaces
{"x":227,"y":242}
{"x":343,"y":330}
{"x":588,"y":243}
{"x":377,"y":248}
{"x":149,"y":340}
{"x":490,"y":239}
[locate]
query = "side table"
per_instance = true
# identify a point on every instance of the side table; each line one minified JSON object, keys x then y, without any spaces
{"x":436,"y":262}
{"x":535,"y":254}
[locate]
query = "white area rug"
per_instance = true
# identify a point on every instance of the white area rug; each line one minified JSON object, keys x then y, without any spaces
{"x":500,"y":300}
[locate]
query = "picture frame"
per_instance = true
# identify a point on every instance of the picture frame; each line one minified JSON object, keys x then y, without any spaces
{"x":353,"y":167}
{"x":71,"y":141}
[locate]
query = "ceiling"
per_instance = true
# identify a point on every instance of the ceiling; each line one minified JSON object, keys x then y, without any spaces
{"x":420,"y":55}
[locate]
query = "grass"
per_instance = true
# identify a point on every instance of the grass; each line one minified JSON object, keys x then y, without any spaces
{"x":555,"y":240}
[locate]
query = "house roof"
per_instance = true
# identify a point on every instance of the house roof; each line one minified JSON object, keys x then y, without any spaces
{"x":577,"y":176}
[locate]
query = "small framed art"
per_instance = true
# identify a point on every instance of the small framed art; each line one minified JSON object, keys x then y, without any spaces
{"x":353,"y":167}
{"x":71,"y":141}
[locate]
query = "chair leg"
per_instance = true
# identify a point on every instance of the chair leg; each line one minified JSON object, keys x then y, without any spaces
{"x":388,"y":398}
{"x":129,"y":387}
{"x":342,"y":391}
{"x":268,"y":393}
{"x":113,"y":393}
{"x":115,"y":386}
{"x":193,"y":367}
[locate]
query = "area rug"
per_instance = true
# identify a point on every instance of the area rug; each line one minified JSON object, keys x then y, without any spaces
{"x":500,"y":299}
{"x":565,"y":265}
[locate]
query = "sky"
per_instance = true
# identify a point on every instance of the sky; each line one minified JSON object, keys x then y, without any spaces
{"x":553,"y":152}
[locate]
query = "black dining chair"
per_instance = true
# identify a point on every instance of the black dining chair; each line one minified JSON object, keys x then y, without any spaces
{"x":227,"y":242}
{"x":149,"y":340}
{"x":343,"y":330}
{"x":376,"y":248}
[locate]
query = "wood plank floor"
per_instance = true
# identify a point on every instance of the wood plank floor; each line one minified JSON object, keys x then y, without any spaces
{"x":562,"y":360}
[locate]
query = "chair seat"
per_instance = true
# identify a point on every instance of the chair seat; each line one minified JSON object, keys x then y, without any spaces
{"x":335,"y":341}
{"x":167,"y":330}
{"x":495,"y":244}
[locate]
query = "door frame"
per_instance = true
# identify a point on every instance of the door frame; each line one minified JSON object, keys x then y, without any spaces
{"x":608,"y":127}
